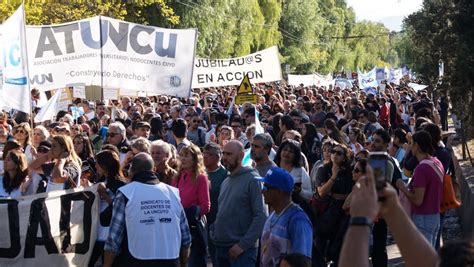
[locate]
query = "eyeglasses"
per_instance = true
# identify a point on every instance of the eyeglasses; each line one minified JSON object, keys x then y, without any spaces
{"x":337,"y":152}
{"x":357,"y":170}
{"x":197,"y":121}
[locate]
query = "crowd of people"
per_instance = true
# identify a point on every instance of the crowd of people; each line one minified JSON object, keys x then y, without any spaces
{"x":176,"y":189}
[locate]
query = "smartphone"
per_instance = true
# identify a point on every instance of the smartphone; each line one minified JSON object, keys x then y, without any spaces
{"x":379,"y":163}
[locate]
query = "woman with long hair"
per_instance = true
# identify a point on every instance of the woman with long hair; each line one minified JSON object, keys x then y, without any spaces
{"x":109,"y":173}
{"x":333,"y":132}
{"x":83,"y":148}
{"x":226,"y":133}
{"x":356,"y":139}
{"x":65,"y":168}
{"x":22,"y":134}
{"x":157,"y":131}
{"x":288,"y":157}
{"x":425,"y":190}
{"x":311,"y":145}
{"x":193,"y":186}
{"x":16,"y":170}
{"x":335,"y":183}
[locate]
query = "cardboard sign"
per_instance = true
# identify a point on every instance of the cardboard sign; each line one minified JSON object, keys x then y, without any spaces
{"x":240,"y":99}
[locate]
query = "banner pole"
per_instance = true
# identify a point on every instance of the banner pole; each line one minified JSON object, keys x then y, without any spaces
{"x":101,"y":59}
{"x":27,"y":66}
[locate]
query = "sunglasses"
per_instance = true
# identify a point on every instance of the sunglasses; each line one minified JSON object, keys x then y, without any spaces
{"x":198,"y":121}
{"x":337,"y":152}
{"x":19,"y":131}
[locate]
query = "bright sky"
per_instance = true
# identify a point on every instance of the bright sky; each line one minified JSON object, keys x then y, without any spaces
{"x":391,"y":12}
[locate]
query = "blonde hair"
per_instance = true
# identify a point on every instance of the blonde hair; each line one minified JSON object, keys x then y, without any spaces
{"x":67,"y":144}
{"x":198,"y":161}
{"x":26,"y":127}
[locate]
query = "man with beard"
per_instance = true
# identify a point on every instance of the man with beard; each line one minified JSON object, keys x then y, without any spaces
{"x":261,"y":146}
{"x":241,"y":215}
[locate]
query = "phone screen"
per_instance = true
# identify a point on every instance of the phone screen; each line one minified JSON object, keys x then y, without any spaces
{"x":379,"y":167}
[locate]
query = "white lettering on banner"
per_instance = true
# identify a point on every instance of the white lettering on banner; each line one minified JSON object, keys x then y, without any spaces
{"x":262,"y":66}
{"x":59,"y":228}
{"x":107,"y":52}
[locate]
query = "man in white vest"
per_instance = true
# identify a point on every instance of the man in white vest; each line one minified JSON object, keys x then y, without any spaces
{"x":148,"y":226}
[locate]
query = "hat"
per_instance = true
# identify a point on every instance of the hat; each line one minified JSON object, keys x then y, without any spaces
{"x":142,"y":124}
{"x":279,"y":179}
{"x":44,"y":145}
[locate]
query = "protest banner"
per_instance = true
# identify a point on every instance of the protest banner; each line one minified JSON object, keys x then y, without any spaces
{"x":395,"y":76}
{"x":311,"y":80}
{"x":367,"y":79}
{"x":262,"y":66}
{"x":15,"y":90}
{"x":58,"y":228}
{"x":111,"y":53}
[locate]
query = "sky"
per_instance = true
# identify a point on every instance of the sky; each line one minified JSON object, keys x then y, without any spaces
{"x":389,"y":12}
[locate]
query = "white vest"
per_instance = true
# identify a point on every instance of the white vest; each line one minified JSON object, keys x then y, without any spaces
{"x":152,"y":216}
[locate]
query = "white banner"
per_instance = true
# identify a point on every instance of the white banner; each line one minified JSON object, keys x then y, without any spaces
{"x":57,"y":228}
{"x":16,"y":93}
{"x":311,"y":80}
{"x":367,"y":79}
{"x":262,"y":66}
{"x":111,"y":53}
{"x":396,"y":75}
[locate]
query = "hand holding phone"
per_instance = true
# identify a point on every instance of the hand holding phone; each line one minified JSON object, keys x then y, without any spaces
{"x":379,"y":163}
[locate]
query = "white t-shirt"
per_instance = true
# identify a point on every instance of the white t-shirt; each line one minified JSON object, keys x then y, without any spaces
{"x":300,"y":175}
{"x":16,"y":193}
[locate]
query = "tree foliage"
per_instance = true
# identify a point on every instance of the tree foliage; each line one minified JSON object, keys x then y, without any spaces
{"x":444,"y":30}
{"x":313,"y":35}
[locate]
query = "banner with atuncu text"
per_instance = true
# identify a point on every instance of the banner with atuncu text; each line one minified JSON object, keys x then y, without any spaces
{"x":111,"y":53}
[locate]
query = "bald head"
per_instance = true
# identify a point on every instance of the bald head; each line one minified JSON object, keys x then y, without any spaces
{"x":141,"y":162}
{"x":235,"y":145}
{"x":232,"y":156}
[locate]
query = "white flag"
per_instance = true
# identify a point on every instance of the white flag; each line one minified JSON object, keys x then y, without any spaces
{"x":16,"y":93}
{"x":367,"y":79}
{"x":49,"y":110}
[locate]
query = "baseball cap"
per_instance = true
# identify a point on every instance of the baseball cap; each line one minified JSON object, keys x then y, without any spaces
{"x":279,"y":179}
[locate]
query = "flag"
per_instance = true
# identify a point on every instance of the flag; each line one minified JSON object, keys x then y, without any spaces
{"x":49,"y":110}
{"x":247,"y":160}
{"x":16,"y":93}
{"x":395,"y":76}
{"x":367,"y":79}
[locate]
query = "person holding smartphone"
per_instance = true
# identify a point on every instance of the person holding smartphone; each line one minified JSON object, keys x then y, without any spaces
{"x":335,"y":183}
{"x":65,"y":166}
